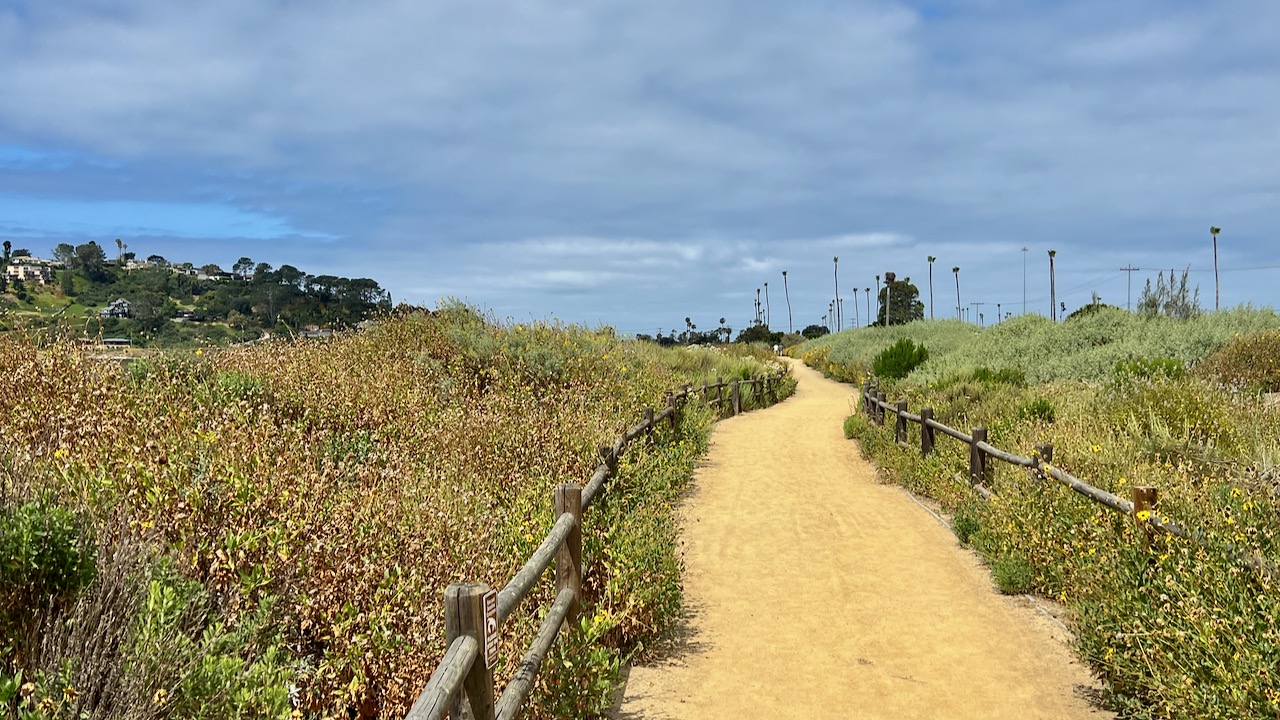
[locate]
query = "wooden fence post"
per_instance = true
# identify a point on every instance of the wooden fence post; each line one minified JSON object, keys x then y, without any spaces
{"x":926,"y":431}
{"x":1144,"y":506}
{"x":977,"y":458}
{"x":735,"y":397}
{"x":705,"y":392}
{"x":879,"y":408}
{"x":648,"y":421}
{"x":1044,"y":451}
{"x":569,"y":557}
{"x":900,"y":426}
{"x":609,"y":457}
{"x":671,"y":405}
{"x":464,"y":615}
{"x":719,"y":396}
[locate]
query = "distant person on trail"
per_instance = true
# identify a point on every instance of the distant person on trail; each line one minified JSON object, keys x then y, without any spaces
{"x":777,"y":349}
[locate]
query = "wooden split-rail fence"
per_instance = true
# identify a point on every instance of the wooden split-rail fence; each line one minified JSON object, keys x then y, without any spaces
{"x":1142,"y":507}
{"x":462,"y":684}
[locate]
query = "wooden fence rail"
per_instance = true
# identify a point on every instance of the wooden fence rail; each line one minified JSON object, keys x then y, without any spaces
{"x":1143,"y":506}
{"x":462,"y":684}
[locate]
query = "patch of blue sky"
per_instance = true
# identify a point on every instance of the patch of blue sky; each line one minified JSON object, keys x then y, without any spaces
{"x":128,"y":218}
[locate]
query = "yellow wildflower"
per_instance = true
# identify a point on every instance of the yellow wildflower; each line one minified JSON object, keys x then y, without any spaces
{"x":1144,"y":515}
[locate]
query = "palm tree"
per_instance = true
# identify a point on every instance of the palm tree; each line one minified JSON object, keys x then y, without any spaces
{"x":856,"y":320}
{"x":1216,"y":297}
{"x":119,"y":252}
{"x":1053,"y":292}
{"x":768,"y":313}
{"x":758,"y":306}
{"x":889,"y":277}
{"x":787,"y":293}
{"x":956,"y":270}
{"x":931,"y":259}
{"x":867,"y":292}
{"x":836,"y":261}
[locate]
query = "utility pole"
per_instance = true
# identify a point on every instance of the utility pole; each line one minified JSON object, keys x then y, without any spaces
{"x":998,"y":315}
{"x":977,"y":309}
{"x":1216,"y":296}
{"x":1131,"y":270}
{"x":1024,"y":279}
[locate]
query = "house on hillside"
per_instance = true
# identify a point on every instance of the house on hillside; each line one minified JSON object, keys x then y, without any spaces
{"x":31,"y":269}
{"x":116,"y":309}
{"x":29,"y":272}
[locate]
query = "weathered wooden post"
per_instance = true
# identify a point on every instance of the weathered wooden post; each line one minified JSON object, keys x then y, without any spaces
{"x":866,"y":397}
{"x":926,"y":431}
{"x":880,"y":398}
{"x":671,"y":405}
{"x":977,"y":458}
{"x":609,"y":457}
{"x":569,"y":558}
{"x":1044,"y":451}
{"x":464,"y":615}
{"x":720,"y":395}
{"x":705,"y":392}
{"x":900,"y":425}
{"x":1144,"y":508}
{"x":735,"y":397}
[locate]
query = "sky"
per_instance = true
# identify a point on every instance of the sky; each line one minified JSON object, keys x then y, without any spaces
{"x":633,"y":164}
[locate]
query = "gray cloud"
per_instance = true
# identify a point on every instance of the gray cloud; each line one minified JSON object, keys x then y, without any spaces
{"x":630,"y":162}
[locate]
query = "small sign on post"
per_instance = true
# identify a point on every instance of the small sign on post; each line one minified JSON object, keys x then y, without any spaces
{"x":491,"y":629}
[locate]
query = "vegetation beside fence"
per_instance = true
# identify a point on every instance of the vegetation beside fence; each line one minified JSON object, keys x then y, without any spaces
{"x":462,"y":685}
{"x":269,"y":530}
{"x":1177,"y":627}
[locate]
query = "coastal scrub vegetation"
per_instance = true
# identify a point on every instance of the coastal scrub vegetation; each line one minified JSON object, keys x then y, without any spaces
{"x":267,"y":530}
{"x":1174,"y":628}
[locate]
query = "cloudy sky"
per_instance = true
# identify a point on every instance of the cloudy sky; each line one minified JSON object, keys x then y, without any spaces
{"x":635,"y":163}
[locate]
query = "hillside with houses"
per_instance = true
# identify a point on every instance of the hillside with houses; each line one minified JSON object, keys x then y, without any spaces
{"x":154,"y":301}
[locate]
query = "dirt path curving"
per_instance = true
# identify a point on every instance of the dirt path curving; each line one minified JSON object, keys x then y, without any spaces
{"x":816,"y":592}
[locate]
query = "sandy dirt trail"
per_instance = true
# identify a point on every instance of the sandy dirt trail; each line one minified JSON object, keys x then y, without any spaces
{"x":815,"y":591}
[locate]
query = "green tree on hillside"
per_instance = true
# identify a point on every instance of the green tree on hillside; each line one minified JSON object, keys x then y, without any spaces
{"x":65,"y":253}
{"x":91,"y":260}
{"x":1174,"y":298}
{"x":902,"y":299}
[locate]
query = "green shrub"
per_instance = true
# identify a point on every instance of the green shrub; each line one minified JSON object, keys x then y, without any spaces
{"x":209,"y":670}
{"x":965,"y":522}
{"x":898,"y":360}
{"x":1003,"y":376}
{"x":851,"y":425}
{"x":1151,"y":367}
{"x":1250,"y":362}
{"x":1013,"y":575}
{"x":1039,"y":409}
{"x":44,"y":551}
{"x":1172,"y":408}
